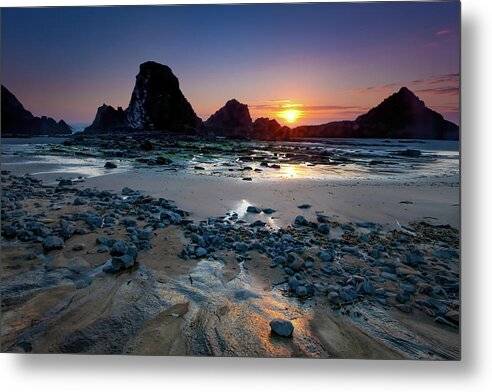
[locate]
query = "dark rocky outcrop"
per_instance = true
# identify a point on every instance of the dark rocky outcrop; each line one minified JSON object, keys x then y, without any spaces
{"x":19,"y":122}
{"x":269,"y":129}
{"x":400,"y":116}
{"x":266,"y":125}
{"x":232,"y":120}
{"x":156,"y":104}
{"x":157,"y":101}
{"x":404,"y":115}
{"x":335,"y":129}
{"x":107,"y":119}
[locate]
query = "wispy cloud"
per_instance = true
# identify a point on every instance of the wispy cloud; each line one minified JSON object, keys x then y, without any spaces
{"x":438,"y":37}
{"x":437,"y":84}
{"x":443,"y":32}
{"x":438,"y":79}
{"x":440,"y":90}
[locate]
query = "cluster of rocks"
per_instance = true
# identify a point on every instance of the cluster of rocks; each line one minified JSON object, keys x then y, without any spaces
{"x":139,"y":215}
{"x":413,"y":268}
{"x":237,"y":158}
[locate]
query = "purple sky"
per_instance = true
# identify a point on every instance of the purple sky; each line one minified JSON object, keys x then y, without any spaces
{"x":332,"y":61}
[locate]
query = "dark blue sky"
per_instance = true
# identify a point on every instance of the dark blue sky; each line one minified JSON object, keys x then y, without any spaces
{"x":65,"y":62}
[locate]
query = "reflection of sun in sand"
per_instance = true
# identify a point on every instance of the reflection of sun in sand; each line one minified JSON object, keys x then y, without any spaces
{"x":292,"y":171}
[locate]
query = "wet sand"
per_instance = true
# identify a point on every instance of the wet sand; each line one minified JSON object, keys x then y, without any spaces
{"x":380,"y":202}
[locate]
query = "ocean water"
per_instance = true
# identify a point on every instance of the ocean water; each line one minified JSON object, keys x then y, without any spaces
{"x":324,"y":159}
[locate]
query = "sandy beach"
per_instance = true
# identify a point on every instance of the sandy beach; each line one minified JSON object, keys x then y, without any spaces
{"x":363,"y":261}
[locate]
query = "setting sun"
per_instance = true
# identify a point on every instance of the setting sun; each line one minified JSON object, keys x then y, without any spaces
{"x":290,"y":115}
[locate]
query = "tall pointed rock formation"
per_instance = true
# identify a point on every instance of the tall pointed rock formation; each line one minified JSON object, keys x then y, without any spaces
{"x":156,"y":104}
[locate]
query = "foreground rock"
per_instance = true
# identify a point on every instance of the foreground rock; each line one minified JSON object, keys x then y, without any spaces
{"x":282,"y":328}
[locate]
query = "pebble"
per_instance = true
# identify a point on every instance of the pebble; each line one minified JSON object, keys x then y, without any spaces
{"x":163,"y":161}
{"x":78,"y":247}
{"x":282,"y":327}
{"x":324,"y":228}
{"x":333,"y":297}
{"x":326,"y":256}
{"x":200,"y":252}
{"x":52,"y":242}
{"x":301,"y":221}
{"x":65,"y":182}
{"x":240,"y":247}
{"x":119,"y":248}
{"x":94,"y":221}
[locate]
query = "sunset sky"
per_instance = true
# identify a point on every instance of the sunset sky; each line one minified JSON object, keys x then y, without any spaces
{"x":328,"y":61}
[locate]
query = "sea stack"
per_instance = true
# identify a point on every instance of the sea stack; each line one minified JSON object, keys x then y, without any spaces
{"x":19,"y":122}
{"x":156,"y":104}
{"x":108,"y":119}
{"x":232,"y":120}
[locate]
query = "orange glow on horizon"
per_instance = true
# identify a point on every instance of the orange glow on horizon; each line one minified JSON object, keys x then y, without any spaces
{"x":290,"y":115}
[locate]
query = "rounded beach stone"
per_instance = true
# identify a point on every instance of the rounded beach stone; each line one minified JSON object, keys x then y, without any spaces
{"x":282,"y":327}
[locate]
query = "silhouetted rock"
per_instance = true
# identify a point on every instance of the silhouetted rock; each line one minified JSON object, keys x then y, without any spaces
{"x":265,"y":125}
{"x":156,"y":104}
{"x":17,"y":121}
{"x":400,"y":116}
{"x":107,"y":119}
{"x":334,"y":129}
{"x":232,"y":120}
{"x":404,"y":115}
